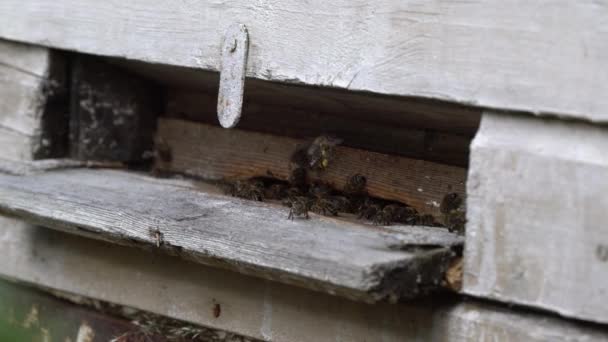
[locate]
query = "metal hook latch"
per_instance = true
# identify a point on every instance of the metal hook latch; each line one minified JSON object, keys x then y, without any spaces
{"x":235,"y":49}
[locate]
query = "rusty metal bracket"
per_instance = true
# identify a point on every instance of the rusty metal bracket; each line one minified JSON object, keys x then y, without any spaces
{"x":235,"y":49}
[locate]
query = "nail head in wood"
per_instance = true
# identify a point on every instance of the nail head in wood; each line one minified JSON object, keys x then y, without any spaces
{"x":232,"y":75}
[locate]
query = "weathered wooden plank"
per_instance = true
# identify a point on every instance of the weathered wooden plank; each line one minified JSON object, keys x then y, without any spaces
{"x":417,"y":135}
{"x":347,"y":259}
{"x":32,"y":102}
{"x":543,"y":57}
{"x":21,"y":168}
{"x":214,"y":153}
{"x":112,"y":113}
{"x":253,"y":307}
{"x":536,"y":206}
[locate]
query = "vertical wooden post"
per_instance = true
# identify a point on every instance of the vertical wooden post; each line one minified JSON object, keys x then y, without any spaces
{"x":537,"y":209}
{"x":33,"y":108}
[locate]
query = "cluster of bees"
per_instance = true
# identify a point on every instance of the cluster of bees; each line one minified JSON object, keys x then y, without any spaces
{"x":321,"y":198}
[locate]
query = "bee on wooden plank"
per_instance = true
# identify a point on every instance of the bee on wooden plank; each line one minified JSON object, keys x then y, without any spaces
{"x":342,"y":203}
{"x":368,"y":209}
{"x":427,"y":220}
{"x":327,"y":206}
{"x":385,"y":216}
{"x":355,"y":185}
{"x":354,"y":190}
{"x":299,"y":206}
{"x":247,"y":189}
{"x":157,"y":235}
{"x":322,"y":201}
{"x":406,"y":215}
{"x":451,"y":201}
{"x":452,"y":208}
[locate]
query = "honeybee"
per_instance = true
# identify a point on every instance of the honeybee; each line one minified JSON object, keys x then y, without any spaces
{"x":385,"y":216}
{"x":452,"y":208}
{"x":368,"y":209}
{"x":298,"y":207}
{"x":455,"y":221}
{"x":355,"y":185}
{"x":320,"y":152}
{"x":324,"y":206}
{"x":427,"y":220}
{"x":451,"y":201}
{"x":157,"y":235}
{"x":247,"y":189}
{"x":406,"y":215}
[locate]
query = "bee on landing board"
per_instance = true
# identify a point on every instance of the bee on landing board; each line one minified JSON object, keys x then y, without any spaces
{"x":299,"y":206}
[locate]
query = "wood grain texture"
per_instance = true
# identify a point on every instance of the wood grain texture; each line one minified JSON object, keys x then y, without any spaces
{"x":546,"y":57}
{"x":420,"y":133}
{"x":355,"y":261}
{"x":214,"y":153}
{"x":536,"y":210}
{"x":253,"y":307}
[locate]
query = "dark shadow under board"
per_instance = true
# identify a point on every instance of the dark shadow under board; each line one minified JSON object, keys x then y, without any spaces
{"x":352,"y":260}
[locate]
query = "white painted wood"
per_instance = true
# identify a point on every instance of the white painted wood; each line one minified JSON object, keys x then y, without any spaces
{"x":537,"y":206}
{"x":347,"y":259}
{"x":538,"y":56}
{"x":27,"y":58}
{"x":253,"y":307}
{"x":23,"y":73}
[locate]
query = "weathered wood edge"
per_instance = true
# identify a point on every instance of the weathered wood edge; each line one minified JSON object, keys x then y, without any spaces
{"x":23,"y":168}
{"x":369,"y":264}
{"x":33,"y":102}
{"x":536,"y":209}
{"x":257,"y":308}
{"x":507,"y":55}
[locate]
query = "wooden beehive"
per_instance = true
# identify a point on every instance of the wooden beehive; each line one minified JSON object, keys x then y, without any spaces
{"x":109,"y":131}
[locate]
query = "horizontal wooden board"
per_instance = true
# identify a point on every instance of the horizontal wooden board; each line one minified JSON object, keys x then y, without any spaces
{"x":406,"y":128}
{"x":214,"y":153}
{"x":542,"y":56}
{"x":536,"y":209}
{"x":257,"y":308}
{"x":359,"y":262}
